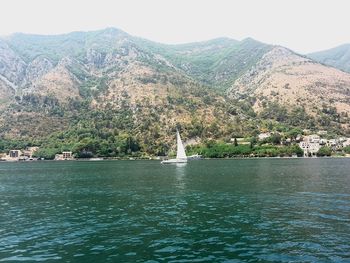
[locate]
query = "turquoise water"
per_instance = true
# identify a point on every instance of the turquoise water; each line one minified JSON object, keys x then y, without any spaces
{"x":262,"y":210}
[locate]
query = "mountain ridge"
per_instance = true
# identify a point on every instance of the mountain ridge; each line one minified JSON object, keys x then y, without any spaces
{"x":87,"y":87}
{"x":338,"y":57}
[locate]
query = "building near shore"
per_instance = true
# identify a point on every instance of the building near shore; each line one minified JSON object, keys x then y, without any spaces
{"x":64,"y":156}
{"x":310,"y":145}
{"x":15,"y":154}
{"x":2,"y":156}
{"x":67,"y":155}
{"x":29,"y":152}
{"x":346,"y":143}
{"x":314,"y":138}
{"x":310,"y":148}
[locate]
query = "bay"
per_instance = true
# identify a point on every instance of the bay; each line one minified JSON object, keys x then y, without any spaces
{"x":248,"y":210}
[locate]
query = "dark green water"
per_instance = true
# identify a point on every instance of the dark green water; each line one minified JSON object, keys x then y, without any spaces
{"x":266,"y":210}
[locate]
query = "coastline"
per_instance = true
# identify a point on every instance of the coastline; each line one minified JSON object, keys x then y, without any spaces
{"x":157,"y":159}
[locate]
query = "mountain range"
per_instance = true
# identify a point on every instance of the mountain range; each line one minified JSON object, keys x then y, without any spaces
{"x":86,"y":89}
{"x":338,"y":57}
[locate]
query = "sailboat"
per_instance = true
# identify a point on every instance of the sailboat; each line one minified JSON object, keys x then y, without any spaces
{"x":180,"y":154}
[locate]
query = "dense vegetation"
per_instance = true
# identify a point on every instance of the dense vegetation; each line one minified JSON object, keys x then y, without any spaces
{"x":327,"y":118}
{"x":324,"y":151}
{"x":125,"y":132}
{"x":213,"y":149}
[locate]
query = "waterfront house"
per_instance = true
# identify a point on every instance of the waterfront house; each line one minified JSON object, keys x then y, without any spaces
{"x":2,"y":156}
{"x":346,"y":142}
{"x":310,"y":148}
{"x":15,"y":154}
{"x":67,"y":155}
{"x":30,"y":151}
{"x":64,"y":156}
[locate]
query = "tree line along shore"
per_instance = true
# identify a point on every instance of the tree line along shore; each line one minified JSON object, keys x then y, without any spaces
{"x":264,"y":145}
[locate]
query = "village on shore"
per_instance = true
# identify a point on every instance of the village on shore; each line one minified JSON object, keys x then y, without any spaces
{"x":28,"y":154}
{"x":310,"y":144}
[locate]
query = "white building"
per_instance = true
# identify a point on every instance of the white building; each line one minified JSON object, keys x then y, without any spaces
{"x":333,"y":143}
{"x":346,"y":143}
{"x":322,"y":132}
{"x":15,"y":153}
{"x":64,"y":156}
{"x":263,"y":136}
{"x":2,"y":156}
{"x":323,"y":141}
{"x":310,"y":148}
{"x":314,"y":138}
{"x":30,"y":151}
{"x":67,"y":155}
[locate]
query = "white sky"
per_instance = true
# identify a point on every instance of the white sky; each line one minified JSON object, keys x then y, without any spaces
{"x":302,"y":25}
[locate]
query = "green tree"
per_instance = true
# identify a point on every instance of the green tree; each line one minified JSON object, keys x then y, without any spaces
{"x":46,"y":153}
{"x":235,"y":142}
{"x":293,"y":133}
{"x":324,"y":151}
{"x":275,"y":138}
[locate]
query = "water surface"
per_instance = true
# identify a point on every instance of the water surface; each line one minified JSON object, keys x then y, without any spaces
{"x":262,"y":210}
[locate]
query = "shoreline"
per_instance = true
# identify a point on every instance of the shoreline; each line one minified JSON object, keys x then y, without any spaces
{"x":153,"y":159}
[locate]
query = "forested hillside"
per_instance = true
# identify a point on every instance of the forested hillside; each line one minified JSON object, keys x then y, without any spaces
{"x":106,"y":93}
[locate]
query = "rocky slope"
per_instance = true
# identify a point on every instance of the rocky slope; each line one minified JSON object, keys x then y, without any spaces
{"x":291,"y":80}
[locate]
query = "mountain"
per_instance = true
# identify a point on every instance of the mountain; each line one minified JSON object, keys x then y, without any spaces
{"x":216,"y":62}
{"x":291,"y":80}
{"x":109,"y":93}
{"x":88,"y":86}
{"x":338,"y":57}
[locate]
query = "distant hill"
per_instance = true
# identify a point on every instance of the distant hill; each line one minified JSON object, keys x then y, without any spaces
{"x":89,"y":90}
{"x":283,"y":81}
{"x":338,"y":57}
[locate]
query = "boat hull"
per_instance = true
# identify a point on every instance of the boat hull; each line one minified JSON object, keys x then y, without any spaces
{"x":174,"y":161}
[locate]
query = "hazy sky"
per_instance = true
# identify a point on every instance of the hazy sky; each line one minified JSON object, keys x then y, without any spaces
{"x":302,"y":25}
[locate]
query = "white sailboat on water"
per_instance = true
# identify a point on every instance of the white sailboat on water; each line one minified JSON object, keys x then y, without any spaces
{"x":180,"y":153}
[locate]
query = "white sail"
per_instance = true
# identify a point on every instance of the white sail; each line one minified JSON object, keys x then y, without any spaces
{"x":181,"y":154}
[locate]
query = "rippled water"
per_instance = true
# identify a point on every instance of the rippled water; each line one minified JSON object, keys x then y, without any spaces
{"x":267,"y":210}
